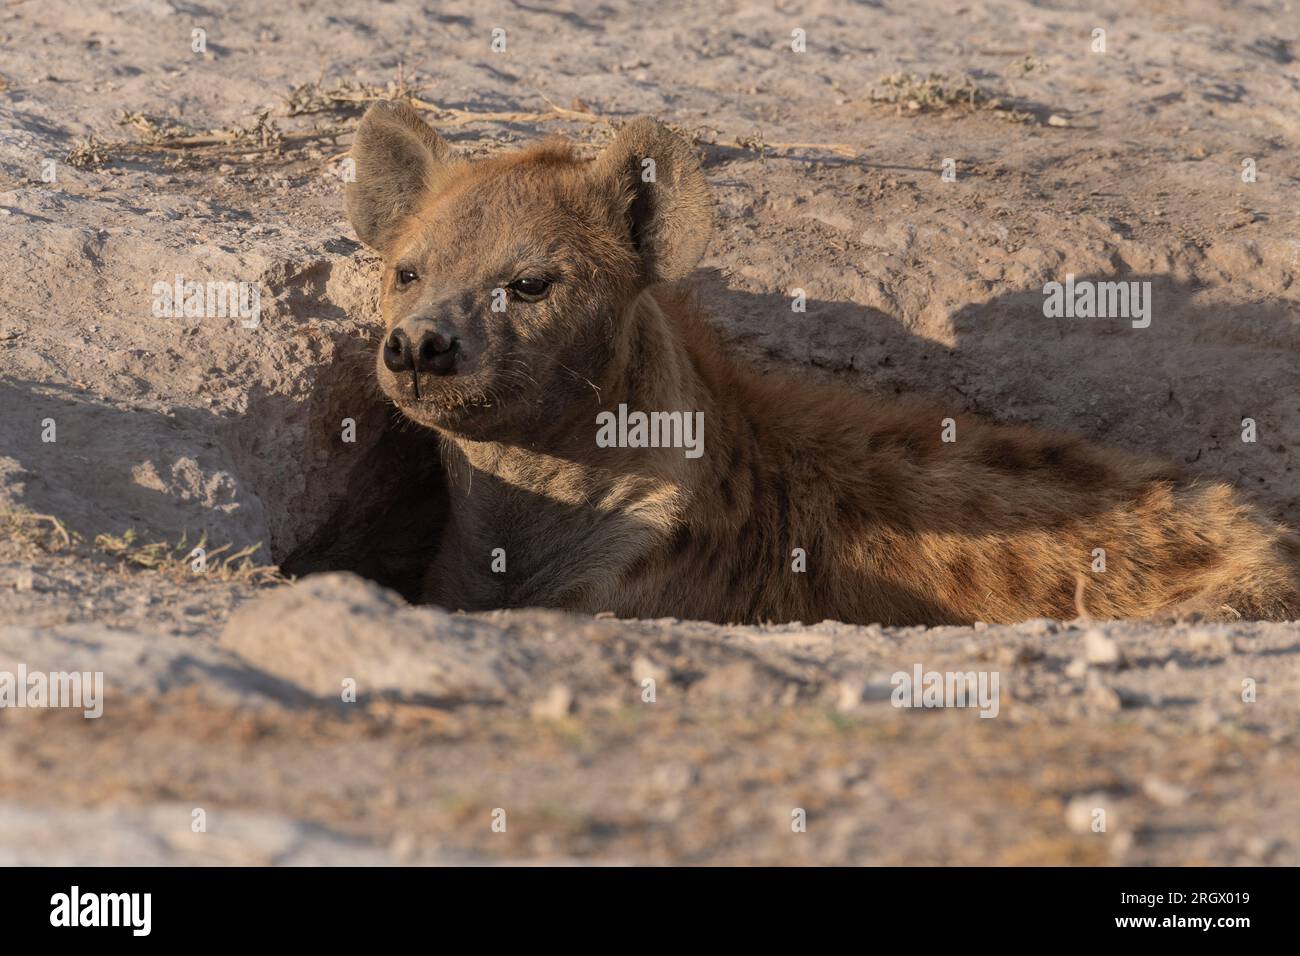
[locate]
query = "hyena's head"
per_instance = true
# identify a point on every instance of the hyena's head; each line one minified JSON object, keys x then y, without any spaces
{"x":508,"y":281}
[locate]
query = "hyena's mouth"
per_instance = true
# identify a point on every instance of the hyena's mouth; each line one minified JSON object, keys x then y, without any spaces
{"x":429,"y":398}
{"x":440,"y":366}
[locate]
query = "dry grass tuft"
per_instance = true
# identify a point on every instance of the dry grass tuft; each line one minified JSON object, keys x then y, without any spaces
{"x":936,"y":92}
{"x":183,"y":561}
{"x":89,"y":153}
{"x":29,"y":529}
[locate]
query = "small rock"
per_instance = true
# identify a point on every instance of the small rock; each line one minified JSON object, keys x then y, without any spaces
{"x":1207,"y":719}
{"x":1164,"y":793}
{"x":849,"y":696}
{"x":1077,"y":669}
{"x":1260,"y":848}
{"x":672,"y":777}
{"x":555,"y":705}
{"x":405,"y":847}
{"x":1209,"y":642}
{"x":1120,"y":844}
{"x":1081,"y":813}
{"x":1102,"y":698}
{"x":643,"y":668}
{"x":1099,"y":650}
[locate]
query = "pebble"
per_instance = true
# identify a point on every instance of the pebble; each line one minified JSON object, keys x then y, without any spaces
{"x":1079,"y":812}
{"x":1099,"y":650}
{"x":1165,"y":793}
{"x":1102,"y":698}
{"x":405,"y":846}
{"x":1260,"y":848}
{"x":849,"y":696}
{"x":1120,"y":844}
{"x":643,"y":668}
{"x":672,"y":777}
{"x":1207,"y":719}
{"x":555,"y":705}
{"x":1208,"y":641}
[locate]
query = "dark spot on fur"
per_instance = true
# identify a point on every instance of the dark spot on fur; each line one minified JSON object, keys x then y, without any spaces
{"x":681,"y":541}
{"x":724,"y":492}
{"x":1072,"y":464}
{"x":1004,"y":454}
{"x":964,"y":578}
{"x":904,"y":437}
{"x":756,"y":483}
{"x":740,"y":575}
{"x":1186,"y":555}
{"x":887,"y":498}
{"x":1054,"y":456}
{"x":1058,"y":595}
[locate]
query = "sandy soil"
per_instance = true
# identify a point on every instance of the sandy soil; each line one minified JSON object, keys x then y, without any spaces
{"x":224,"y":687}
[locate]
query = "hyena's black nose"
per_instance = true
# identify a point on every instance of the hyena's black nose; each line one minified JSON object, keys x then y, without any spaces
{"x":420,"y":348}
{"x":436,"y":353}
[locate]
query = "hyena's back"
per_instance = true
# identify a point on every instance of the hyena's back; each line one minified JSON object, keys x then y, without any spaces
{"x":1003,"y":523}
{"x":1006,"y":523}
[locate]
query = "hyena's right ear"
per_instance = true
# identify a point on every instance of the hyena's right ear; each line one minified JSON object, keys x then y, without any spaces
{"x":397,"y":156}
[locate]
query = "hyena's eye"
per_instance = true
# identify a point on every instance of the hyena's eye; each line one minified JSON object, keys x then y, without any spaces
{"x":530,"y":288}
{"x":406,"y":276}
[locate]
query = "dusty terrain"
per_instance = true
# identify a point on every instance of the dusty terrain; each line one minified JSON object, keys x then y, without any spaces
{"x":223,"y":688}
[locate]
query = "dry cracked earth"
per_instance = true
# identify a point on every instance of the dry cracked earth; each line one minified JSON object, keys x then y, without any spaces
{"x":128,"y":157}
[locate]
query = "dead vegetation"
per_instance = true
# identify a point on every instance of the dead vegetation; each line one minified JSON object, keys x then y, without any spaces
{"x":348,"y":99}
{"x":89,"y":153}
{"x":180,"y":561}
{"x":31,"y":530}
{"x":912,"y":93}
{"x":183,"y":560}
{"x":155,"y":135}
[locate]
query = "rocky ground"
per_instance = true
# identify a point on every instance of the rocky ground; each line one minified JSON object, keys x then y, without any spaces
{"x":127,"y":157}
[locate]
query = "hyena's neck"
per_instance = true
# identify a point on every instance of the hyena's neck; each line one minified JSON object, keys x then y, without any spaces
{"x":575,"y":516}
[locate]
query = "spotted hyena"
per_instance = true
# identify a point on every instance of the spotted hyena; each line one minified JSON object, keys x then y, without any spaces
{"x":531,"y":321}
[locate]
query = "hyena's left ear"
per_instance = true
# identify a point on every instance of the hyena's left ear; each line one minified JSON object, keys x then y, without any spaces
{"x":398,"y":157}
{"x":656,"y":182}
